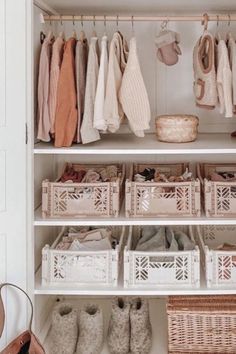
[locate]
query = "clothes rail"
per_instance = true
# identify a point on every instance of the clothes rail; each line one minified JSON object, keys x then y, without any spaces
{"x":94,"y":18}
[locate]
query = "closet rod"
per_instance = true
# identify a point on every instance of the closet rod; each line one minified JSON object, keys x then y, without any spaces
{"x":218,"y":18}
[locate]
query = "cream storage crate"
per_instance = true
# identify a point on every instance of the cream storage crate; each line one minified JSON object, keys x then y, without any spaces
{"x":201,"y":324}
{"x":160,"y":269}
{"x":219,"y":266}
{"x":83,"y":199}
{"x":219,"y":197}
{"x":153,"y":199}
{"x":64,"y":267}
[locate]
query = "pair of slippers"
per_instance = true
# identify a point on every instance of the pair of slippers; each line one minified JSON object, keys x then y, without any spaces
{"x":168,"y":50}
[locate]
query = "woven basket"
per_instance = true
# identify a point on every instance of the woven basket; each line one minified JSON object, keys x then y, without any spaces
{"x":180,"y":128}
{"x":201,"y":324}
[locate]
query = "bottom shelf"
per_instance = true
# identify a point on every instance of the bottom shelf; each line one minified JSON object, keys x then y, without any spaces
{"x":157,"y":315}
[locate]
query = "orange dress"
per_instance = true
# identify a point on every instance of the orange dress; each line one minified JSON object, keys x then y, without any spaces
{"x":66,"y":111}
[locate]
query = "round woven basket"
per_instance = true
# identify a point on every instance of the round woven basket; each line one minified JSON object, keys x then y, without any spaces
{"x":180,"y":128}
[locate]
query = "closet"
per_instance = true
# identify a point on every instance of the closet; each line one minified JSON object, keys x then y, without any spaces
{"x":170,"y":91}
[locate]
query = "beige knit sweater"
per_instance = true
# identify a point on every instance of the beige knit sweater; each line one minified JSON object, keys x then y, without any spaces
{"x":133,"y":94}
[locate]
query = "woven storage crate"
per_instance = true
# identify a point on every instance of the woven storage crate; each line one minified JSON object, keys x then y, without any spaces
{"x":150,"y":199}
{"x":201,"y":324}
{"x":83,"y":199}
{"x":153,"y":269}
{"x":219,"y":197}
{"x":82,"y":267}
{"x":219,"y":265}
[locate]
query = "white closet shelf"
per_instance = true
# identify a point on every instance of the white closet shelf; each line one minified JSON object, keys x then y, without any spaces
{"x":121,"y":291}
{"x":127,"y":144}
{"x":122,"y":220}
{"x":158,"y":319}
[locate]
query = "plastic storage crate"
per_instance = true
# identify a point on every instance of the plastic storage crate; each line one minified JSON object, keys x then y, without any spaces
{"x":160,"y":269}
{"x":219,"y":265}
{"x":201,"y":324}
{"x":65,"y":267}
{"x":219,"y":197}
{"x":152,"y":199}
{"x":83,"y":199}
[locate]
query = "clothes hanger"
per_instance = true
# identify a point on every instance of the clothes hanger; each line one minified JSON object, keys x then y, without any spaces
{"x":74,"y":34}
{"x":205,"y":21}
{"x":105,"y":26}
{"x":94,"y":33}
{"x":229,"y":34}
{"x":82,"y":36}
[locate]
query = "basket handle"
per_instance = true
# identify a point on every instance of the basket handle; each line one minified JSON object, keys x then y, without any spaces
{"x":2,"y":310}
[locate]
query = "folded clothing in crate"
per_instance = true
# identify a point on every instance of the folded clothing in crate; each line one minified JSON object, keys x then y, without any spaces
{"x":219,"y":182}
{"x":201,"y":324}
{"x":85,"y":190}
{"x":84,"y":255}
{"x":87,"y":239}
{"x":154,"y":190}
{"x":155,"y":175}
{"x":81,"y":175}
{"x":163,"y":238}
{"x":161,"y":256}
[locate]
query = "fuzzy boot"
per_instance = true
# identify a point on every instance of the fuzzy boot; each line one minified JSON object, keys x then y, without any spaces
{"x":119,"y":328}
{"x":90,"y":330}
{"x":141,"y":330}
{"x":64,"y":331}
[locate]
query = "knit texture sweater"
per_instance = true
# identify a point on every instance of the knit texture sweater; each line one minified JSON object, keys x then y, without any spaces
{"x":90,"y":134}
{"x":133,"y":94}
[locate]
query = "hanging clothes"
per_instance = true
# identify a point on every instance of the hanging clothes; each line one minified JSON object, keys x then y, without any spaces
{"x":224,"y":80}
{"x":66,"y":110}
{"x":133,"y":94}
{"x":232,"y":61}
{"x":88,"y":133}
{"x":118,"y":54}
{"x":43,"y":89}
{"x":81,"y":58}
{"x":205,"y":72}
{"x":56,"y":60}
{"x":99,"y":118}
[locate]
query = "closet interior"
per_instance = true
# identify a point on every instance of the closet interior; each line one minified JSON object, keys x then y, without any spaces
{"x":170,"y":91}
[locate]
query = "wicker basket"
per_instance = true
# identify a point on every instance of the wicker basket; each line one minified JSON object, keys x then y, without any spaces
{"x":83,"y":199}
{"x":201,"y":324}
{"x":152,"y":269}
{"x":219,"y":197}
{"x":219,"y":265}
{"x":178,"y":128}
{"x":152,"y":199}
{"x":67,"y":268}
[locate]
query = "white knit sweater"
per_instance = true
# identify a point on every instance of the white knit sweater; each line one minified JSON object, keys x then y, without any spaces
{"x":133,"y":94}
